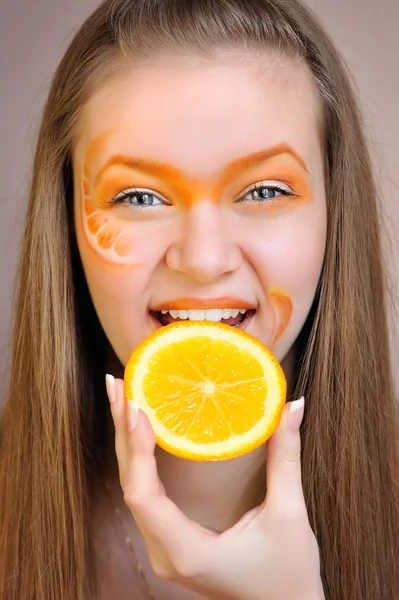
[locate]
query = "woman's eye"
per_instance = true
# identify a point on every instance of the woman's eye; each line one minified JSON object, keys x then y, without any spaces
{"x":138,"y":198}
{"x":263,"y":193}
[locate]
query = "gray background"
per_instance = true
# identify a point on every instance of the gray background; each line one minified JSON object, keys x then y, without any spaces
{"x":35,"y":33}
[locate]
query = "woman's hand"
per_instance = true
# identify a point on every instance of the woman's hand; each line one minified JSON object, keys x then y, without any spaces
{"x":270,"y":554}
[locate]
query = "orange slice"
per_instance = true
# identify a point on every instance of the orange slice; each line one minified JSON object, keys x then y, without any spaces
{"x":211,"y":391}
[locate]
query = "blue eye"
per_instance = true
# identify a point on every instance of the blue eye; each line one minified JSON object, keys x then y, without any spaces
{"x":138,"y":198}
{"x":145,"y":199}
{"x":264,"y":193}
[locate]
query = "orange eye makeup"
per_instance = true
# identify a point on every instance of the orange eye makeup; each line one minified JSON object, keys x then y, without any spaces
{"x":121,"y":172}
{"x":122,"y":179}
{"x":110,"y":232}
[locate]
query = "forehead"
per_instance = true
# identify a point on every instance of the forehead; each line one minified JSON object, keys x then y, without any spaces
{"x":199,"y":114}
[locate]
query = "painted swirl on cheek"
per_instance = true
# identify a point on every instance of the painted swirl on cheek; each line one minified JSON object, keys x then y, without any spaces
{"x":283,"y":304}
{"x":109,"y":237}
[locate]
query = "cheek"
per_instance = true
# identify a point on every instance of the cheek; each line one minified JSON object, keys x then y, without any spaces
{"x":118,"y":290}
{"x":111,"y":239}
{"x":116,"y":298}
{"x":290,"y":253}
{"x":288,"y":257}
{"x":295,"y":262}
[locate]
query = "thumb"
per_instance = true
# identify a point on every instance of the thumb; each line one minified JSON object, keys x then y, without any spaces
{"x":284,"y":481}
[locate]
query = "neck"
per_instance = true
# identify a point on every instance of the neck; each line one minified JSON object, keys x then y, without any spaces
{"x":214,"y":494}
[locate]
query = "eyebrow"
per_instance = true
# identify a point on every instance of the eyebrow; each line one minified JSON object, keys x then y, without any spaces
{"x":166,"y":170}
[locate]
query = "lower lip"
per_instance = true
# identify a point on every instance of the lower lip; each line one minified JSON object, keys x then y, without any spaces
{"x":248,"y":318}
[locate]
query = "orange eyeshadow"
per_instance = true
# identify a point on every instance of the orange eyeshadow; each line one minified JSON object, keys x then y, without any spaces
{"x":280,"y":162}
{"x":281,"y":168}
{"x":121,"y":179}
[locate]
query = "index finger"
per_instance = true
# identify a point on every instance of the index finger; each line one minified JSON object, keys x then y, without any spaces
{"x":162,"y":524}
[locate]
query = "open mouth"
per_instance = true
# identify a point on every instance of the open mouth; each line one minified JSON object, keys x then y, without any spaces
{"x":235,"y":317}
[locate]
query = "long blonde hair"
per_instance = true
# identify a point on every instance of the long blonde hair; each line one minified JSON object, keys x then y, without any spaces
{"x":51,"y":422}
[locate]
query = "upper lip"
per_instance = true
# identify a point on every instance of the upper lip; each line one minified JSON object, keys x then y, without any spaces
{"x":203,"y":304}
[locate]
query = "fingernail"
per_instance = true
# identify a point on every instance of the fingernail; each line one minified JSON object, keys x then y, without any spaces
{"x":296,"y":411}
{"x":132,"y":413}
{"x":111,"y":389}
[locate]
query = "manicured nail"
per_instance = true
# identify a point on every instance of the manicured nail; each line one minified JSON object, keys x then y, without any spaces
{"x":296,"y":413}
{"x":132,"y":413}
{"x":111,"y":389}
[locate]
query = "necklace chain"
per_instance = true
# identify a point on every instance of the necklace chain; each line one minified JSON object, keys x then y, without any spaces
{"x":136,"y":563}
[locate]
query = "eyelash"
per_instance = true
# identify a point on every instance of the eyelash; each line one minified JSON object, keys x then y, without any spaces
{"x":259,"y":186}
{"x":122,"y":197}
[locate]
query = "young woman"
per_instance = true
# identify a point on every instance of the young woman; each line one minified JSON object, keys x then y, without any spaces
{"x":200,"y":156}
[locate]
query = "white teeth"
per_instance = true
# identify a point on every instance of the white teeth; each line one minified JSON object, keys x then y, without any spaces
{"x":212,"y":314}
{"x":196,"y":315}
{"x":230,"y":312}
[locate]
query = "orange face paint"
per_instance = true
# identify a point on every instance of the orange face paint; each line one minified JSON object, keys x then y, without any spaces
{"x":283,"y":304}
{"x":104,"y":233}
{"x":110,"y":234}
{"x":280,"y":163}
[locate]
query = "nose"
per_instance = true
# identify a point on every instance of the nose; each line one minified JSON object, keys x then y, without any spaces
{"x":205,"y":249}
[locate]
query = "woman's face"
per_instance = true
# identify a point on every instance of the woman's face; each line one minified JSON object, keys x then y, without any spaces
{"x":199,"y":190}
